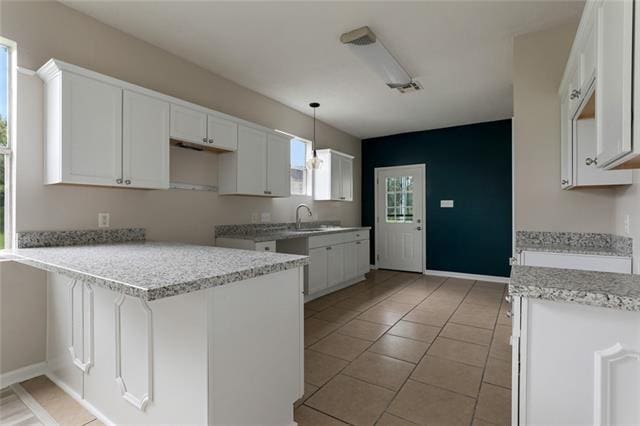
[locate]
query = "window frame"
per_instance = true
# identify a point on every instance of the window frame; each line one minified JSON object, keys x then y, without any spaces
{"x":309,"y":175}
{"x":8,"y":151}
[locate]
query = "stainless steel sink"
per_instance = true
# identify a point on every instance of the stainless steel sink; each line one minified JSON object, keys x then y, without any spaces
{"x":317,"y":229}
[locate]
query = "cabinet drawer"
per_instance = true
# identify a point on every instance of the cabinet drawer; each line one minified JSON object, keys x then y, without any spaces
{"x":577,"y":261}
{"x":266,"y":246}
{"x":327,"y":240}
{"x":357,"y":236}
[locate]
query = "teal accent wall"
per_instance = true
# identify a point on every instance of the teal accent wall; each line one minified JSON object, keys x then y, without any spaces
{"x":468,"y":164}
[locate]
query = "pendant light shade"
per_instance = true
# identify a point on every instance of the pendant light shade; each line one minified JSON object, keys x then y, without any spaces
{"x":314,"y":162}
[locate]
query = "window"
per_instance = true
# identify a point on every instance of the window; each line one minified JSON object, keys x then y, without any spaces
{"x":399,"y":199}
{"x":7,"y":49}
{"x":300,"y":176}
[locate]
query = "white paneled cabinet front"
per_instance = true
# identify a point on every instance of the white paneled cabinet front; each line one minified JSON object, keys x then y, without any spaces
{"x":188,"y":125}
{"x":145,"y":136}
{"x":317,"y":275}
{"x":335,"y":264}
{"x":260,"y":166}
{"x":362,"y":256}
{"x":334,"y":180}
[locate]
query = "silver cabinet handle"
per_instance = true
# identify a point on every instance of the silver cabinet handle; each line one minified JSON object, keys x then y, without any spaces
{"x":419,"y":228}
{"x":267,"y":192}
{"x":204,"y":140}
{"x":508,"y":299}
{"x":509,"y":314}
{"x":119,"y":181}
{"x":267,"y":248}
{"x":565,"y":182}
{"x":574,"y":94}
{"x":210,"y":140}
{"x":357,"y":235}
{"x":589,"y":161}
{"x":358,"y":242}
{"x":128,"y":182}
{"x":328,"y":248}
{"x":343,"y":198}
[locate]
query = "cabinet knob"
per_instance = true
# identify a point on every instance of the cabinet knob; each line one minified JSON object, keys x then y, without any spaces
{"x":267,"y":248}
{"x":119,"y":181}
{"x":204,"y":140}
{"x":267,"y":192}
{"x":328,"y":248}
{"x":358,"y":242}
{"x":211,"y":140}
{"x":589,"y":161}
{"x":128,"y":182}
{"x":342,"y":198}
{"x":574,"y":94}
{"x":565,"y":182}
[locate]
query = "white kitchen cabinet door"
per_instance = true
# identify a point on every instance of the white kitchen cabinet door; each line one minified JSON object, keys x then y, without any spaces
{"x":278,"y":166}
{"x":336,"y":178}
{"x":145,"y":141}
{"x":317,"y":270}
{"x":252,"y":161}
{"x":350,"y":260}
{"x":346,"y":179}
{"x":221,"y":133}
{"x":566,"y":144}
{"x":362,"y":248}
{"x":614,"y":85}
{"x":335,"y":264}
{"x":188,"y":125}
{"x":91,"y":136}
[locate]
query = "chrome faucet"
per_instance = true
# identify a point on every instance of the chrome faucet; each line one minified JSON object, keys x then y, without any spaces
{"x":298,"y":218}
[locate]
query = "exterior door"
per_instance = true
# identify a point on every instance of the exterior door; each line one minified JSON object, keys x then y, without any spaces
{"x":399,"y":223}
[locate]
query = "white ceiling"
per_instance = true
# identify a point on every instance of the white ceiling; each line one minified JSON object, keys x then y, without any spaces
{"x":461,"y":52}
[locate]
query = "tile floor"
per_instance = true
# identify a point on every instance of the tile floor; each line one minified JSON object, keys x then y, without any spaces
{"x":402,"y":349}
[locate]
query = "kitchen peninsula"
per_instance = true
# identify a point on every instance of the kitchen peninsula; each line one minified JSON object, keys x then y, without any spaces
{"x":149,"y":332}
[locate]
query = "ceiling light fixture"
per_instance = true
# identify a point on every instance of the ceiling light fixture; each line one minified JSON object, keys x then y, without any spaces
{"x":365,"y":45}
{"x":314,"y":162}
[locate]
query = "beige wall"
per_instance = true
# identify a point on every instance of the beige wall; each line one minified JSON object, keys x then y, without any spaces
{"x":540,"y":204}
{"x":45,"y":30}
{"x":50,"y":29}
{"x":628,"y":203}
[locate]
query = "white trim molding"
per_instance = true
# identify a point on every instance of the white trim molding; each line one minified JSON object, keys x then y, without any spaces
{"x":141,"y":402}
{"x":83,"y":365}
{"x":489,"y":278}
{"x":23,"y":373}
{"x":604,"y":361}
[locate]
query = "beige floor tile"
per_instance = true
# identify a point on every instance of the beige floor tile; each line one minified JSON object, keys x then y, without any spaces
{"x":498,"y":372}
{"x":315,"y":329}
{"x":95,"y":422}
{"x":309,"y":390}
{"x":380,"y":316}
{"x":478,"y":422}
{"x":351,"y":400}
{"x":451,"y":375}
{"x":363,"y":329}
{"x":466,"y":353}
{"x":394,"y":306}
{"x":411,"y":298}
{"x":488,"y":285}
{"x":358,"y":303}
{"x":500,"y":347}
{"x":494,"y":405}
{"x":391,"y":420}
{"x":400,"y":348}
{"x":64,"y":409}
{"x":308,"y":313}
{"x":320,"y":304}
{"x":320,"y":368}
{"x":379,"y":370}
{"x":341,"y":316}
{"x":414,"y":330}
{"x":484,"y":298}
{"x":425,"y":404}
{"x":436,"y":319}
{"x":341,"y":346}
{"x":466,"y":333}
{"x":439,"y":304}
{"x":476,"y":316}
{"x":306,"y":416}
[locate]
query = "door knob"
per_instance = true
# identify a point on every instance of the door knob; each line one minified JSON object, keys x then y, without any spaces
{"x":589,"y":161}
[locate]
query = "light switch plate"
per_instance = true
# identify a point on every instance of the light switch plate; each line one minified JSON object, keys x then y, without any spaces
{"x":265,"y":217}
{"x":103,"y":220}
{"x":627,"y":224}
{"x":448,"y":204}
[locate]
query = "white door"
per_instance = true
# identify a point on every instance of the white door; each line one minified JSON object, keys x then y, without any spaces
{"x":278,"y":166}
{"x":252,"y":161}
{"x":317,"y":270}
{"x":222,"y":133}
{"x":91,"y":131}
{"x":346,"y":178}
{"x":188,"y":125}
{"x":399,"y":227}
{"x":145,"y":141}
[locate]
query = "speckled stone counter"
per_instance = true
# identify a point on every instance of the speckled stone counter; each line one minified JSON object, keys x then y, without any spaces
{"x":152,"y":270}
{"x":574,"y":243}
{"x":282,"y":231}
{"x":603,"y":289}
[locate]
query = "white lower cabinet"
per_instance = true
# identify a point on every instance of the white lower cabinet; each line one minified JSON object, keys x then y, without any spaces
{"x":578,"y":365}
{"x":576,"y":261}
{"x":335,"y":264}
{"x":362,"y":256}
{"x":351,"y":265}
{"x":317,"y":270}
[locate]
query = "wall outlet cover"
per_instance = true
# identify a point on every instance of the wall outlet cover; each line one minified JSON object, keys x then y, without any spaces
{"x":255,"y":217}
{"x":627,"y":224}
{"x":265,"y":217}
{"x":103,"y":220}
{"x":448,"y":204}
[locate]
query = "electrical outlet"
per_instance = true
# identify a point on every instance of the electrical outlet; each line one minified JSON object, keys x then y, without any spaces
{"x":627,"y":224}
{"x":446,"y":204}
{"x":265,"y":217}
{"x":103,"y":220}
{"x":255,"y":217}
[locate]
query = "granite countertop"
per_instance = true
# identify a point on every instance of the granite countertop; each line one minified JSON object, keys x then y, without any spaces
{"x":154,"y":270}
{"x":285,"y":234}
{"x":602,"y":289}
{"x":588,"y":243}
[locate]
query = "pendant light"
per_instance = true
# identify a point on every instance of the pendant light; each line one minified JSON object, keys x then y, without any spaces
{"x":314,"y":162}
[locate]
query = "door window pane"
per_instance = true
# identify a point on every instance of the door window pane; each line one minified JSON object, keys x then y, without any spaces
{"x":399,"y":199}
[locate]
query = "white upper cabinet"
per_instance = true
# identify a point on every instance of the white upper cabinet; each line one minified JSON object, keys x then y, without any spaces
{"x":145,"y":141}
{"x":222,"y":133}
{"x":260,"y":166}
{"x":614,"y":82}
{"x":334,"y":179}
{"x":593,"y":79}
{"x":188,"y":125}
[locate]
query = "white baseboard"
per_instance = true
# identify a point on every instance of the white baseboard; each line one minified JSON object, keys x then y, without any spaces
{"x":373,"y":267}
{"x":78,"y":398}
{"x":22,"y":374}
{"x":489,"y":278}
